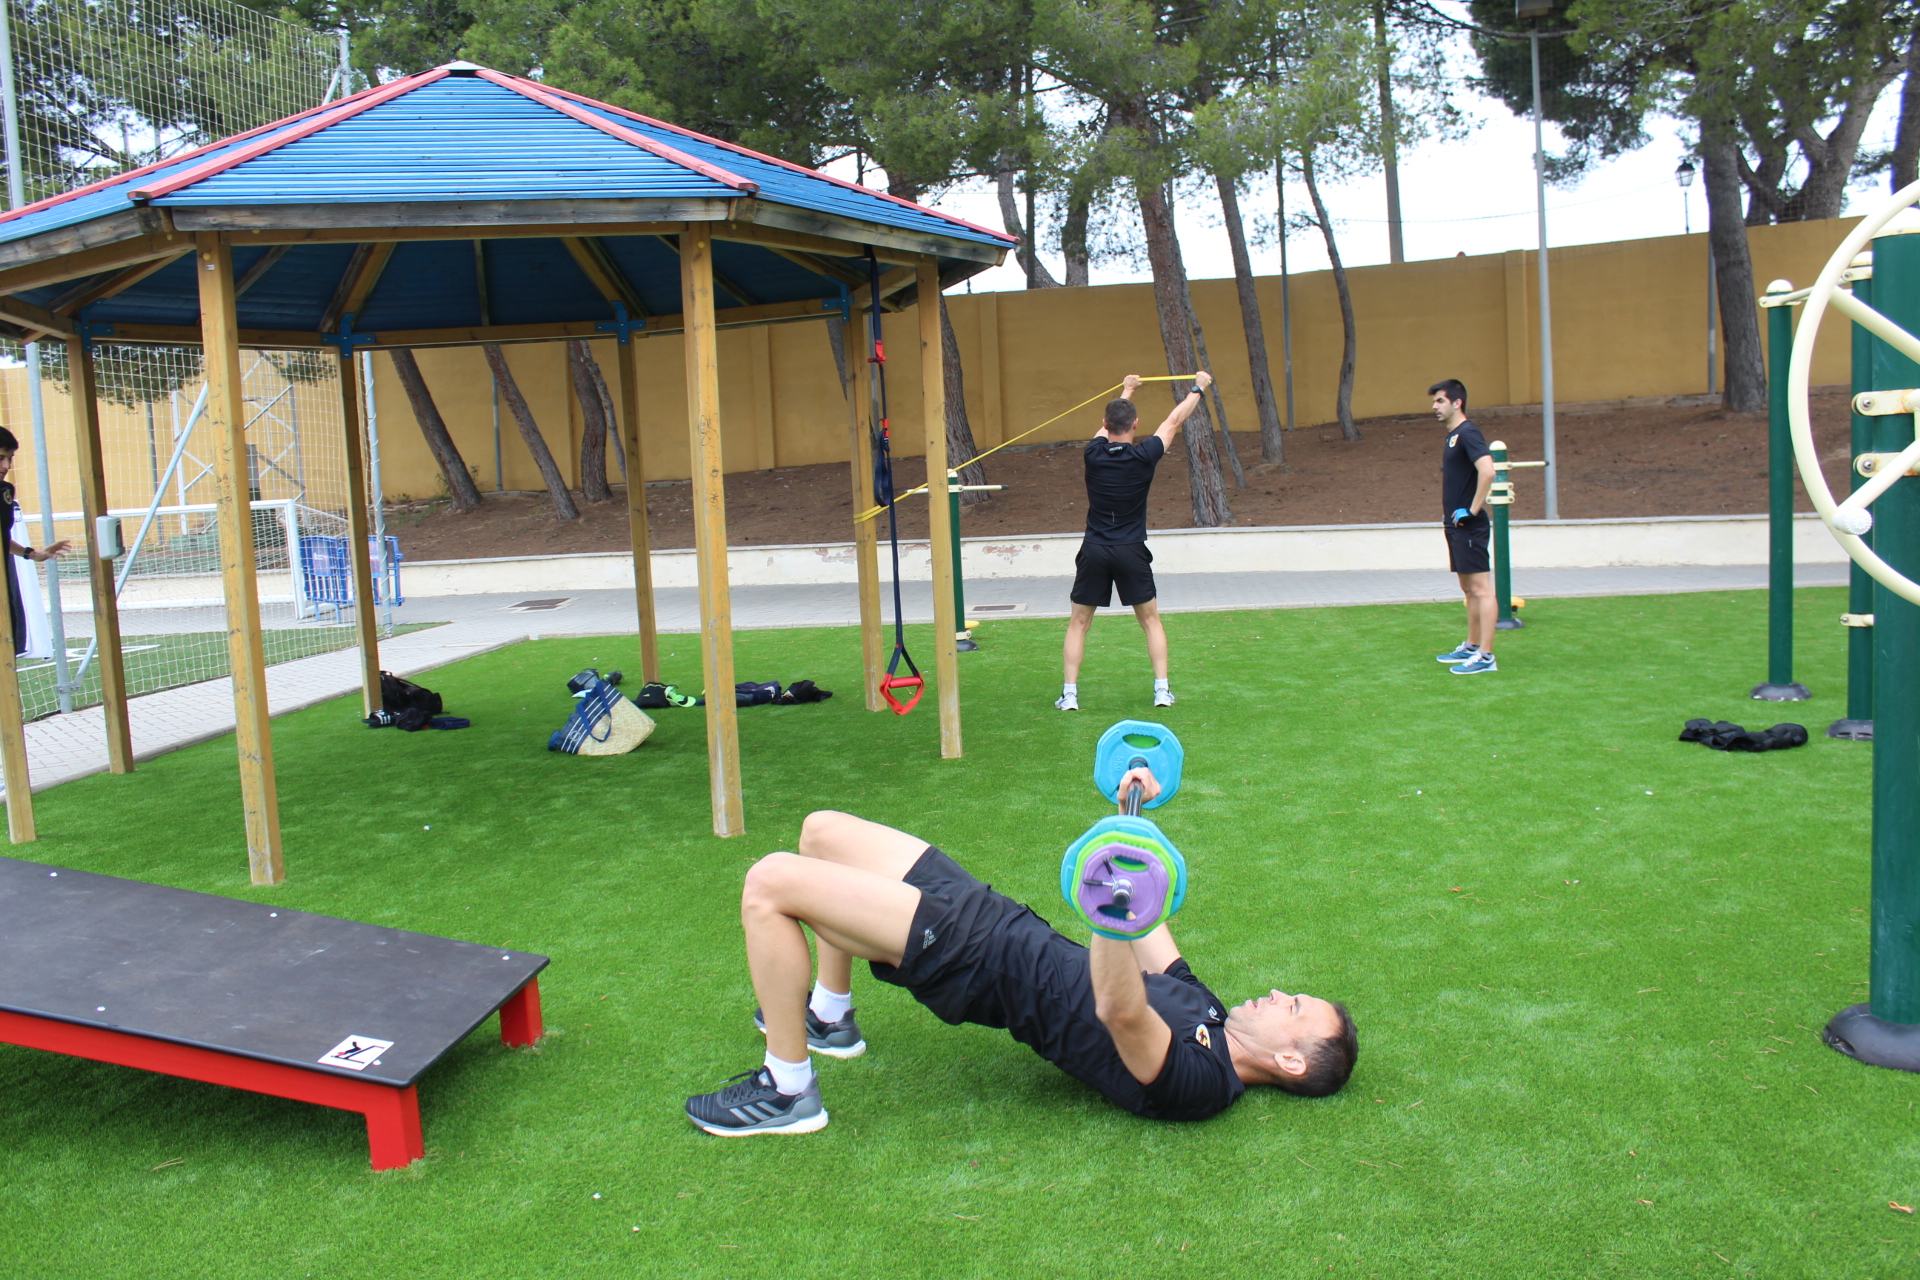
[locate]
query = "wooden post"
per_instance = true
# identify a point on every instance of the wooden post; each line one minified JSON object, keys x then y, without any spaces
{"x":13,"y":735}
{"x":946,"y":656}
{"x":637,"y":508}
{"x":100,"y":573}
{"x":225,"y":418}
{"x":710,"y":527}
{"x":866,"y":533}
{"x":359,"y":529}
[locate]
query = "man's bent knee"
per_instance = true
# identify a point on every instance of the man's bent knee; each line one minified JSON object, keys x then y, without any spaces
{"x":819,"y":827}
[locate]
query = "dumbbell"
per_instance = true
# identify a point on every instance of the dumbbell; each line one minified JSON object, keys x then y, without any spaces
{"x":1123,"y":877}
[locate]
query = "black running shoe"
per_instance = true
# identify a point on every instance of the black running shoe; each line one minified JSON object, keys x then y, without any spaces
{"x":840,"y":1039}
{"x":749,"y":1104}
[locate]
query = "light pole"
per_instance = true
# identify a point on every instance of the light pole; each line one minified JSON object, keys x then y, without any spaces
{"x":1684,"y":176}
{"x":1533,"y":11}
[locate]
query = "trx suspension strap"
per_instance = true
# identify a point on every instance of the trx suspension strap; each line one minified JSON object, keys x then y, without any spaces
{"x":911,"y":684}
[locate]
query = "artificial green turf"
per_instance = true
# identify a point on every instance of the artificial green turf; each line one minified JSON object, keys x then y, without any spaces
{"x":1587,"y":962}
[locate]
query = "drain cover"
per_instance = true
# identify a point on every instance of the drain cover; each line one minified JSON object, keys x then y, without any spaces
{"x":996,"y":608}
{"x":540,"y":606}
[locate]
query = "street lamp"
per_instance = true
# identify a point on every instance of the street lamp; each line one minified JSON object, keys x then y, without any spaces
{"x":1684,"y":176}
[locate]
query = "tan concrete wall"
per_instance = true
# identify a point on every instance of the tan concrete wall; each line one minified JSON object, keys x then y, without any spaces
{"x":1629,"y":320}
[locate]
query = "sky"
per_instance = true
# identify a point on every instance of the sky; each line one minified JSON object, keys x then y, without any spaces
{"x":1475,"y":195}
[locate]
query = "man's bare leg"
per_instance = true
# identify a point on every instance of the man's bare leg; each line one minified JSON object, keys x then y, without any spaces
{"x":1149,"y":616}
{"x":1483,"y":609}
{"x":1078,"y":624}
{"x":846,"y":884}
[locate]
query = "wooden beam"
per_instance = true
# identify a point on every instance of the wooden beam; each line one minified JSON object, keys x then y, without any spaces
{"x":91,"y":262}
{"x":933,"y":397}
{"x":356,"y":282}
{"x":226,"y":420}
{"x":95,"y":236}
{"x":637,"y":531}
{"x":91,"y":463}
{"x":891,"y":283}
{"x":403,"y":235}
{"x":866,"y":533}
{"x":818,"y":265}
{"x":359,"y":532}
{"x":29,"y":316}
{"x":710,"y":530}
{"x":78,"y":299}
{"x":593,"y":261}
{"x":855,"y":231}
{"x":14,"y":769}
{"x":740,"y":294}
{"x":783,"y":238}
{"x":428,"y":217}
{"x":260,"y":268}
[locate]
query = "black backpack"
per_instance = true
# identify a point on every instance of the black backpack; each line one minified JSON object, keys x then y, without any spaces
{"x":397,"y":695}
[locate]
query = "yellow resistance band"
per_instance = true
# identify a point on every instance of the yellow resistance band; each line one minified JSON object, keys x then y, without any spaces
{"x":980,"y":457}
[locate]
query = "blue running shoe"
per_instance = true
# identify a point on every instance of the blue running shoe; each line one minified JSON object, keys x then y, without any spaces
{"x":749,"y":1104}
{"x":1478,"y":663}
{"x":1465,"y":653}
{"x":840,"y":1039}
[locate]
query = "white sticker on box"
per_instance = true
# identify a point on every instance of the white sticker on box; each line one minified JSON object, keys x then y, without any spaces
{"x":355,"y":1053}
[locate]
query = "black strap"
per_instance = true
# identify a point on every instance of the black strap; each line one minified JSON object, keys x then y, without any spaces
{"x":883,"y":460}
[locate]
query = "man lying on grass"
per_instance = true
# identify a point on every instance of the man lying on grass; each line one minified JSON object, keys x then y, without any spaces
{"x":1128,"y":1018}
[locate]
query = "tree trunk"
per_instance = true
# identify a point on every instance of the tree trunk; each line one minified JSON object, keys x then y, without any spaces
{"x":1905,"y":161}
{"x":1208,"y":489}
{"x":593,"y":425}
{"x":530,"y":432}
{"x":1073,"y":238}
{"x":1038,"y":277}
{"x":1272,"y":451}
{"x":466,"y":495}
{"x":1746,"y":370}
{"x":961,"y":449}
{"x":1389,"y":144}
{"x":614,"y":431}
{"x":1348,"y":351}
{"x":1224,"y":436}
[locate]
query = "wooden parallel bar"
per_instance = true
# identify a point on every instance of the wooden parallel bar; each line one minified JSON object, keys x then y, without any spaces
{"x":933,"y":379}
{"x":14,"y":769}
{"x":359,"y":531}
{"x":710,"y":530}
{"x":866,"y":533}
{"x":226,"y":419}
{"x":91,"y":462}
{"x":637,"y":532}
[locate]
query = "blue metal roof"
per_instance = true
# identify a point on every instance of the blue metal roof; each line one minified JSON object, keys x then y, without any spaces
{"x":459,"y":135}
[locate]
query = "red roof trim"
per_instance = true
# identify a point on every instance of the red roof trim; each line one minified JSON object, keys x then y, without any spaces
{"x":784,"y":164}
{"x":548,"y":98}
{"x":261,"y":146}
{"x":170,"y":161}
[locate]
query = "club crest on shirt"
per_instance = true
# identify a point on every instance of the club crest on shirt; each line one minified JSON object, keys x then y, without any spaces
{"x":1453,"y":439}
{"x":1204,"y":1036}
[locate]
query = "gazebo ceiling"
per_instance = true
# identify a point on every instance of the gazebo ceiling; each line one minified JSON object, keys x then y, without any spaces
{"x":462,"y":205}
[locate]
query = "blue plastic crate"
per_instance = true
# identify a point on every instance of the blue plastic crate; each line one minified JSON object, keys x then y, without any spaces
{"x":327,"y":572}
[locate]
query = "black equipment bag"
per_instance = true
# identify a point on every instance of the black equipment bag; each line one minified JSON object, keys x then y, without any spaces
{"x":397,"y":695}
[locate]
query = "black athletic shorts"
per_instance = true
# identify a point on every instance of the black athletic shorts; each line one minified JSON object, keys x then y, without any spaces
{"x":962,"y":930}
{"x":1467,"y":548}
{"x":1102,"y":566}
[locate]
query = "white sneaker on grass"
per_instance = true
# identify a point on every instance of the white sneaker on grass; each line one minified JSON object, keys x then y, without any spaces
{"x":1163,"y":697}
{"x":1067,"y":702}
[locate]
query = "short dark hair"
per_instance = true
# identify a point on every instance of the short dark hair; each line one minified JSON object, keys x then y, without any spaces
{"x":7,"y":442}
{"x":1121,"y":415}
{"x":1330,"y":1062}
{"x":1455,"y":390}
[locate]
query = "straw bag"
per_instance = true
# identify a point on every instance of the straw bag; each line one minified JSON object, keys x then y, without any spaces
{"x":603,"y":723}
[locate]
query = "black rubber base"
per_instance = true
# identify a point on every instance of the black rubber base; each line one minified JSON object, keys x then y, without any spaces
{"x":1795,"y":692}
{"x":1508,"y":624}
{"x":1857,"y":730}
{"x":965,"y":644}
{"x":1858,"y":1034}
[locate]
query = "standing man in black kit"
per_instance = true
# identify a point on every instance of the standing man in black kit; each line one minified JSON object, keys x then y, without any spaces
{"x":1114,"y":552}
{"x":1466,"y":477}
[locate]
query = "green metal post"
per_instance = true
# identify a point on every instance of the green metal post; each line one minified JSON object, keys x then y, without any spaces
{"x":963,"y":640}
{"x":1886,"y":1031}
{"x":1780,"y":685}
{"x":1500,"y":498}
{"x":1858,"y":723}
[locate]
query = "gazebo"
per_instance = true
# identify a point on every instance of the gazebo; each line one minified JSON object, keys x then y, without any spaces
{"x":463,"y":206}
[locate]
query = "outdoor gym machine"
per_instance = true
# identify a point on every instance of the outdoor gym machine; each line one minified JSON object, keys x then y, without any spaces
{"x":1885,"y":1031}
{"x":1780,"y":686}
{"x":1500,"y":497}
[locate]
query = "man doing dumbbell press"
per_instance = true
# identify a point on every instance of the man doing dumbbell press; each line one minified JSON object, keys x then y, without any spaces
{"x":1128,"y":1018}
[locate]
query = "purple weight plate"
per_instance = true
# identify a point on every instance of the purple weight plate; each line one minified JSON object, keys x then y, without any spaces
{"x":1139,"y":869}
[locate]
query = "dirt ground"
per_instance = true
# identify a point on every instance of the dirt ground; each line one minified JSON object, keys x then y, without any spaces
{"x":1666,"y":460}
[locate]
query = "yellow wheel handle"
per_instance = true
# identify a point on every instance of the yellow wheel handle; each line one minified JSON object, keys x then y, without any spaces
{"x":1848,"y":519}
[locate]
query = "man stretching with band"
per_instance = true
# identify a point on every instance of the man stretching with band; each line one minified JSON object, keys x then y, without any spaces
{"x":1128,"y":1018}
{"x":1114,"y":550}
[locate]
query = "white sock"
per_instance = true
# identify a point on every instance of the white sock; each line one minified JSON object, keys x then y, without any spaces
{"x":1160,"y":686}
{"x":1071,"y":689}
{"x":830,"y":1006}
{"x":790,"y":1078}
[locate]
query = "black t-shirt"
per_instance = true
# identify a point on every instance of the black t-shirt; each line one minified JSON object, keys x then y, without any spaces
{"x":1049,"y":1008}
{"x":1118,"y":478}
{"x":1459,"y":476}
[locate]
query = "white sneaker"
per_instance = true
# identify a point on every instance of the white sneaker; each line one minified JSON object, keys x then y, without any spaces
{"x":1067,"y":702}
{"x":1163,"y":697}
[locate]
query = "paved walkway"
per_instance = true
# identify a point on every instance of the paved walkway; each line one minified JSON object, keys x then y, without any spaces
{"x":62,"y":748}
